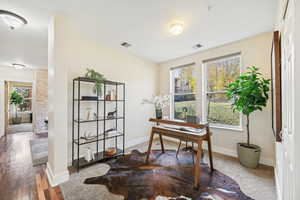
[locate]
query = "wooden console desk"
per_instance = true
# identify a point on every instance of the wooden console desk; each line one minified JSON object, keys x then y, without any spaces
{"x":185,"y":136}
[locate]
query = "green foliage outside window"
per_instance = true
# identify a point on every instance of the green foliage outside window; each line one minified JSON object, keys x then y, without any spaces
{"x":16,"y":99}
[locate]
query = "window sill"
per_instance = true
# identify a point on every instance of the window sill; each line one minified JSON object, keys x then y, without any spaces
{"x":238,"y":129}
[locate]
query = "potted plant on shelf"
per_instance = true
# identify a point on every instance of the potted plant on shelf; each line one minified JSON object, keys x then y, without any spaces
{"x":159,"y":102}
{"x":249,"y":94}
{"x":16,"y":99}
{"x":98,"y":78}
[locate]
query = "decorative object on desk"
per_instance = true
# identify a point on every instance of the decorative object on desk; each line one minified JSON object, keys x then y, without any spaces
{"x":88,"y":136}
{"x":132,"y":178}
{"x":95,"y":115}
{"x":110,"y":151}
{"x":158,"y":113}
{"x":159,"y":102}
{"x":108,"y":97}
{"x":89,"y":98}
{"x":113,"y":95}
{"x":110,"y":130}
{"x":89,"y":155}
{"x":88,"y":113}
{"x":98,"y":78}
{"x":16,"y":99}
{"x":249,"y":94}
{"x":111,"y":115}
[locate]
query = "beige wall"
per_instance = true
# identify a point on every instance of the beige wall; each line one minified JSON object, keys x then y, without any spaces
{"x":254,"y":51}
{"x":70,"y":53}
{"x":139,"y":75}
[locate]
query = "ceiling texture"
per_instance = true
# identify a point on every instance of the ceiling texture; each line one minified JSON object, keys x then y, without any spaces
{"x":142,"y":23}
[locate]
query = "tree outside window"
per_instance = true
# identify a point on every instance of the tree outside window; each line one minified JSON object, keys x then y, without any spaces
{"x":219,"y":73}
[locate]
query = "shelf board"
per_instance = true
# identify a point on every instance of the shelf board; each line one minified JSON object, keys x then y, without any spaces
{"x":99,"y":157}
{"x":107,"y":82}
{"x":100,"y":138}
{"x":95,"y":120}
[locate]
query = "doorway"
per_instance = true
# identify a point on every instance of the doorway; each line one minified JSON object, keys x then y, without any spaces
{"x":18,"y":107}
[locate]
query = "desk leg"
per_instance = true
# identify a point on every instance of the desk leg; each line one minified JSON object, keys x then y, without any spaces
{"x":197,"y":165}
{"x":161,"y":143}
{"x":149,"y":147}
{"x":210,"y":154}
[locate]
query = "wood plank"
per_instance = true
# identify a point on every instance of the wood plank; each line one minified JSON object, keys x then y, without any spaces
{"x":39,"y":187}
{"x":150,"y":144}
{"x":197,"y":165}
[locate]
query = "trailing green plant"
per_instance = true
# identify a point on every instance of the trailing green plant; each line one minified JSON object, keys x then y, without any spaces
{"x":249,"y":93}
{"x":16,"y":99}
{"x":97,"y":77}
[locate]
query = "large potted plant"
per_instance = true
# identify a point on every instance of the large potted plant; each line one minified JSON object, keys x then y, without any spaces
{"x":16,"y":99}
{"x":249,"y":93}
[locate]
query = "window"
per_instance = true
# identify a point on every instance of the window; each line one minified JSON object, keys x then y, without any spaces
{"x":26,"y":92}
{"x":217,"y":74}
{"x":183,"y":89}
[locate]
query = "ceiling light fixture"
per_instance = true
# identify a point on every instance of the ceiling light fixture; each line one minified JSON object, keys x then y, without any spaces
{"x":12,"y":20}
{"x":18,"y":66}
{"x":176,"y":28}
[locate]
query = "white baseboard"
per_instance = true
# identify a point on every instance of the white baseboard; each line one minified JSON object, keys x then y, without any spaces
{"x":137,"y":141}
{"x":56,"y":179}
{"x":230,"y":152}
{"x":278,"y":191}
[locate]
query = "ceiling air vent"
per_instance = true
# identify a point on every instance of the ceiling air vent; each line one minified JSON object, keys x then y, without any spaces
{"x":197,"y":46}
{"x":125,"y":44}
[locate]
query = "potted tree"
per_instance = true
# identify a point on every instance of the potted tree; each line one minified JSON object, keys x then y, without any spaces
{"x":16,"y":99}
{"x":249,"y":94}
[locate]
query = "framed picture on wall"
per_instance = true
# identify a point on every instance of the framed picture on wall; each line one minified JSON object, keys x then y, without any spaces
{"x":276,"y":87}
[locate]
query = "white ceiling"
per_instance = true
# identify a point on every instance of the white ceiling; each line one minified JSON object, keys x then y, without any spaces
{"x":142,"y":23}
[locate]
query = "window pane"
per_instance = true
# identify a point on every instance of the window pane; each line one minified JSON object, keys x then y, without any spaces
{"x":184,"y":80}
{"x":24,"y":91}
{"x":219,"y":111}
{"x":184,"y":97}
{"x":222,"y":72}
{"x":183,"y":110}
{"x":26,"y":105}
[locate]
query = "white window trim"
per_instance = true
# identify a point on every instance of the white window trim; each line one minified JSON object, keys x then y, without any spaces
{"x":204,"y":96}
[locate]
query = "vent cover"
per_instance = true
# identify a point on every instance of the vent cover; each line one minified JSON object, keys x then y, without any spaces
{"x":125,"y":44}
{"x":197,"y":46}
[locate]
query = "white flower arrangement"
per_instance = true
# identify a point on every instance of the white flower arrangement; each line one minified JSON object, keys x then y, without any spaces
{"x":159,"y":101}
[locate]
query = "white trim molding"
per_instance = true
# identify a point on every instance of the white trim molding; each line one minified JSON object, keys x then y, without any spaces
{"x":56,"y":179}
{"x":278,"y":191}
{"x":230,"y":152}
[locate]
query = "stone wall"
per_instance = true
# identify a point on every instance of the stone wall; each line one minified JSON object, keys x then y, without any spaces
{"x":41,"y":101}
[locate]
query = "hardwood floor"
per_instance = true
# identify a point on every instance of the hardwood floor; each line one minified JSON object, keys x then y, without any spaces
{"x":19,"y":180}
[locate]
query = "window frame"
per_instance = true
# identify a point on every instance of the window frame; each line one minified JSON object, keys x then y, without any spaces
{"x":205,"y":93}
{"x":172,"y":91}
{"x":26,"y":98}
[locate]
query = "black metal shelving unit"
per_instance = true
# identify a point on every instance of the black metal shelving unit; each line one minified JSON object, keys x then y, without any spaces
{"x":100,"y":135}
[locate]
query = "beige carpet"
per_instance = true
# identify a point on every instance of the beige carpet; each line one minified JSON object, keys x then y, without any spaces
{"x":257,"y":183}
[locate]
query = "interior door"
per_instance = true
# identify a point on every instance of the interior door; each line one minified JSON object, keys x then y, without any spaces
{"x":288,"y":183}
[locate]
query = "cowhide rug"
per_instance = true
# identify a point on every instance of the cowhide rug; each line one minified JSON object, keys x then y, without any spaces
{"x":165,"y":177}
